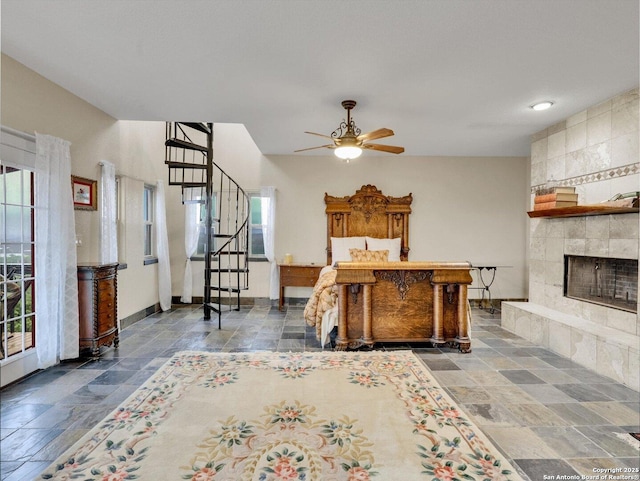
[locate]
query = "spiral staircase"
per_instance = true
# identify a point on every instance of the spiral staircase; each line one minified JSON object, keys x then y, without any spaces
{"x":189,"y":156}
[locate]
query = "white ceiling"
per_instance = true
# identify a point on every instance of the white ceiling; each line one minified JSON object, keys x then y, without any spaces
{"x":450,"y":77}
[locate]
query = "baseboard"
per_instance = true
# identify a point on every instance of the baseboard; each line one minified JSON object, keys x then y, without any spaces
{"x":495,"y":303}
{"x":138,"y":316}
{"x":302,"y":301}
{"x":244,"y":301}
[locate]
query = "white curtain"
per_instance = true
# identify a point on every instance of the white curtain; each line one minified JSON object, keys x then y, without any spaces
{"x":190,"y":246}
{"x":162,"y":249}
{"x":108,"y":214}
{"x":57,"y":335}
{"x":268,"y":195}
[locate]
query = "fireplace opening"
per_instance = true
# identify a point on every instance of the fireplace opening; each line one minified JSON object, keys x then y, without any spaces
{"x":602,"y":280}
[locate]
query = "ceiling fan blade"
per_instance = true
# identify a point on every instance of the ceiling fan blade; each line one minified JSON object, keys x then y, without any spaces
{"x":319,"y":135}
{"x":384,"y":148}
{"x":376,"y":134}
{"x":328,"y":146}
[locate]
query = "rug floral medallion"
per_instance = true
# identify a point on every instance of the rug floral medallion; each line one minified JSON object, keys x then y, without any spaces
{"x":286,"y":416}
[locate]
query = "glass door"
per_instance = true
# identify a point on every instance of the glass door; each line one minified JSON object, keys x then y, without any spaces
{"x":17,"y":316}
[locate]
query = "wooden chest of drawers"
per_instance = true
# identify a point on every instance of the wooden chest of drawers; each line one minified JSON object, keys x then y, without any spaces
{"x":297,"y":275}
{"x":97,"y":306}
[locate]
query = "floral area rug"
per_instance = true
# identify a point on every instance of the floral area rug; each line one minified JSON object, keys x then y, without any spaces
{"x":286,"y":416}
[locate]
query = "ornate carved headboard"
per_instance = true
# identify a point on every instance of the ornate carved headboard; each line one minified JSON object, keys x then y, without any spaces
{"x":368,"y":213}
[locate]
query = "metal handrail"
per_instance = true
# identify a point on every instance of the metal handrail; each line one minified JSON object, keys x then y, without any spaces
{"x":237,"y":235}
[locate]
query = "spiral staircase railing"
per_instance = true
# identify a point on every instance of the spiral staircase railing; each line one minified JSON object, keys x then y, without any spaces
{"x":224,"y":214}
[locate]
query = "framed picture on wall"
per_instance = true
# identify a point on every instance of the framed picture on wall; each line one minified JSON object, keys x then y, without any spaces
{"x":85,"y":193}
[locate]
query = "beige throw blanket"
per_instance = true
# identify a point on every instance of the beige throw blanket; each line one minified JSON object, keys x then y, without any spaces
{"x":324,"y":297}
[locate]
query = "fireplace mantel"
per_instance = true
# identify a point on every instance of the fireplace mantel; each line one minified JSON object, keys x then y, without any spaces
{"x":582,"y":210}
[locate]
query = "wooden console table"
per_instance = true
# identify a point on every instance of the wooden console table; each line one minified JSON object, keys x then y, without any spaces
{"x":97,"y":306}
{"x":297,"y":275}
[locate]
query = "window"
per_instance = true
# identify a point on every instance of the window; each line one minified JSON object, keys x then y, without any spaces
{"x":256,"y":242}
{"x":201,"y":222}
{"x":256,"y":228}
{"x":148,"y":217}
{"x":17,"y":316}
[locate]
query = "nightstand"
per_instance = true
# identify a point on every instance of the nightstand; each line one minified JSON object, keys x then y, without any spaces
{"x":297,"y":275}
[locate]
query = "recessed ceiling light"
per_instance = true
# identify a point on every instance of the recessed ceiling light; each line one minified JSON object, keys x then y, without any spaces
{"x":542,"y":105}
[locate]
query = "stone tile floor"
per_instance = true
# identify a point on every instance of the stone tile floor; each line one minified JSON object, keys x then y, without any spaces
{"x":546,"y":414}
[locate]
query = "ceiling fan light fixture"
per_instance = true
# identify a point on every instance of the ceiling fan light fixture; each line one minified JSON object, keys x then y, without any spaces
{"x":348,"y":152}
{"x":348,"y":141}
{"x":542,"y":105}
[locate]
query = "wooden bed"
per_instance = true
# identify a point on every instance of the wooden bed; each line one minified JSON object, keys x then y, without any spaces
{"x":393,"y":301}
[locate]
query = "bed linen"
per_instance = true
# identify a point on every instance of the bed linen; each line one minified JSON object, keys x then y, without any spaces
{"x":323,"y":298}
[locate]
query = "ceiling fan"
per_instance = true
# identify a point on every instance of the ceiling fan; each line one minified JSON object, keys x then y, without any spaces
{"x":348,"y":142}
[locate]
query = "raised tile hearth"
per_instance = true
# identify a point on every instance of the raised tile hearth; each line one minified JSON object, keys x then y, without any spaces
{"x":607,"y":351}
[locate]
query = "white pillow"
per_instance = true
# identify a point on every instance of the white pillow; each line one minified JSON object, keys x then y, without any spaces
{"x":392,"y":245}
{"x":340,"y":247}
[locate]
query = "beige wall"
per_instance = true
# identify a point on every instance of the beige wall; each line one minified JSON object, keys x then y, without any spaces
{"x":31,"y":103}
{"x":464,"y":208}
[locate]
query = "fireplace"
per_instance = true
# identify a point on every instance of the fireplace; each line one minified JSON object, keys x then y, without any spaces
{"x":602,"y":280}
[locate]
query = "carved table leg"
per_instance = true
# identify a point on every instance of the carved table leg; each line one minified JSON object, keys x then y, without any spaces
{"x":367,"y":328}
{"x":464,"y":343}
{"x":341,"y":340}
{"x":437,"y":337}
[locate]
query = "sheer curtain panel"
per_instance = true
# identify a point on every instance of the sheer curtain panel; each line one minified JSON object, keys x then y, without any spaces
{"x":108,"y":214}
{"x":57,"y":336}
{"x":162,"y":249}
{"x":268,"y":195}
{"x":190,"y":246}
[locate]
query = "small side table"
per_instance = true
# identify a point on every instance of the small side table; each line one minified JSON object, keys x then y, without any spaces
{"x":297,"y":275}
{"x":485,"y":284}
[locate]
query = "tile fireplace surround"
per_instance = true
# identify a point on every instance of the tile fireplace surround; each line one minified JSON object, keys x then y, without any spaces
{"x":601,"y":338}
{"x":597,"y":152}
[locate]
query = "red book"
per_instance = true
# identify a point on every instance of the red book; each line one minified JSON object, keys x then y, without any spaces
{"x":558,"y":196}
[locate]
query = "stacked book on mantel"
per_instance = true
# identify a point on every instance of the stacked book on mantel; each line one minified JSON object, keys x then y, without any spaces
{"x":555,"y":197}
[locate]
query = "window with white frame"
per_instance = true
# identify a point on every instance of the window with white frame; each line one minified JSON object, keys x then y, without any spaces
{"x":256,"y":239}
{"x":256,"y":227}
{"x":148,"y":218}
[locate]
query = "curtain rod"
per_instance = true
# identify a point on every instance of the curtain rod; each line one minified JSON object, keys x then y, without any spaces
{"x":101,"y":163}
{"x":133,"y":178}
{"x":18,"y":133}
